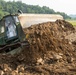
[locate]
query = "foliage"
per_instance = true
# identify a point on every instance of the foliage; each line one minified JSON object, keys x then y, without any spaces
{"x":65,"y":16}
{"x":13,"y":7}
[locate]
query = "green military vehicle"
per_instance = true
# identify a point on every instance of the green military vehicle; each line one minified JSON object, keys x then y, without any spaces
{"x":11,"y":33}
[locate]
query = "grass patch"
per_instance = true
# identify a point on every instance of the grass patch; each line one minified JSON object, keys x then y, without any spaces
{"x":73,"y":22}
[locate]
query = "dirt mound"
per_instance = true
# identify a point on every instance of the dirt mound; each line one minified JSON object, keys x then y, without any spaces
{"x":48,"y":37}
{"x":49,"y":52}
{"x":65,"y":25}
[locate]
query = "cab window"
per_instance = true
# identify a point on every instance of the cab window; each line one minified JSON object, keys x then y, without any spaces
{"x":10,"y":27}
{"x":1,"y":27}
{"x":16,"y":19}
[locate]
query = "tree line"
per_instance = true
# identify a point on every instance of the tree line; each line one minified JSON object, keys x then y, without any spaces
{"x":14,"y":6}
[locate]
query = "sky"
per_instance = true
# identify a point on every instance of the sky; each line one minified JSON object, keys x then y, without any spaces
{"x":66,"y":6}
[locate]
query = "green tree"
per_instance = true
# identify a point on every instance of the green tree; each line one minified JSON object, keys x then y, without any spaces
{"x":13,"y":7}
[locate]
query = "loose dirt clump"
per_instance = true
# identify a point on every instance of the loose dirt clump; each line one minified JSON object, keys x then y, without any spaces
{"x":50,"y":52}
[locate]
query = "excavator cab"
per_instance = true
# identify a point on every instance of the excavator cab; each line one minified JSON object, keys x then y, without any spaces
{"x":11,"y":33}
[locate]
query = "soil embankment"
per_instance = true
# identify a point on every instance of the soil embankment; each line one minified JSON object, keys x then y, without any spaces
{"x":51,"y":51}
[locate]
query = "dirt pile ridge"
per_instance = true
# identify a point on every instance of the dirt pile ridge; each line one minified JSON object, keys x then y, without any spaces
{"x":50,"y":53}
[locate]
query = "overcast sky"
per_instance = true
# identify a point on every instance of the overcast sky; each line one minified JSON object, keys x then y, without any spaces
{"x":67,"y":6}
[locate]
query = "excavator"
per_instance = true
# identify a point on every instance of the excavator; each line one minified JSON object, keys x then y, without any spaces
{"x":11,"y":34}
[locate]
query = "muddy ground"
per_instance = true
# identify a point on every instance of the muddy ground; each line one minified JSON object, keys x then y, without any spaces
{"x":52,"y":51}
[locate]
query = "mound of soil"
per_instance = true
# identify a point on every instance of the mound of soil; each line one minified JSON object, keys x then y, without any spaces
{"x":49,"y":53}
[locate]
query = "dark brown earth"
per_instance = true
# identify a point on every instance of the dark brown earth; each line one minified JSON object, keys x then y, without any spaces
{"x":52,"y":51}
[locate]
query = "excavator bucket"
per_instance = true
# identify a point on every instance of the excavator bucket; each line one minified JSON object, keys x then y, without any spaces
{"x":27,"y":20}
